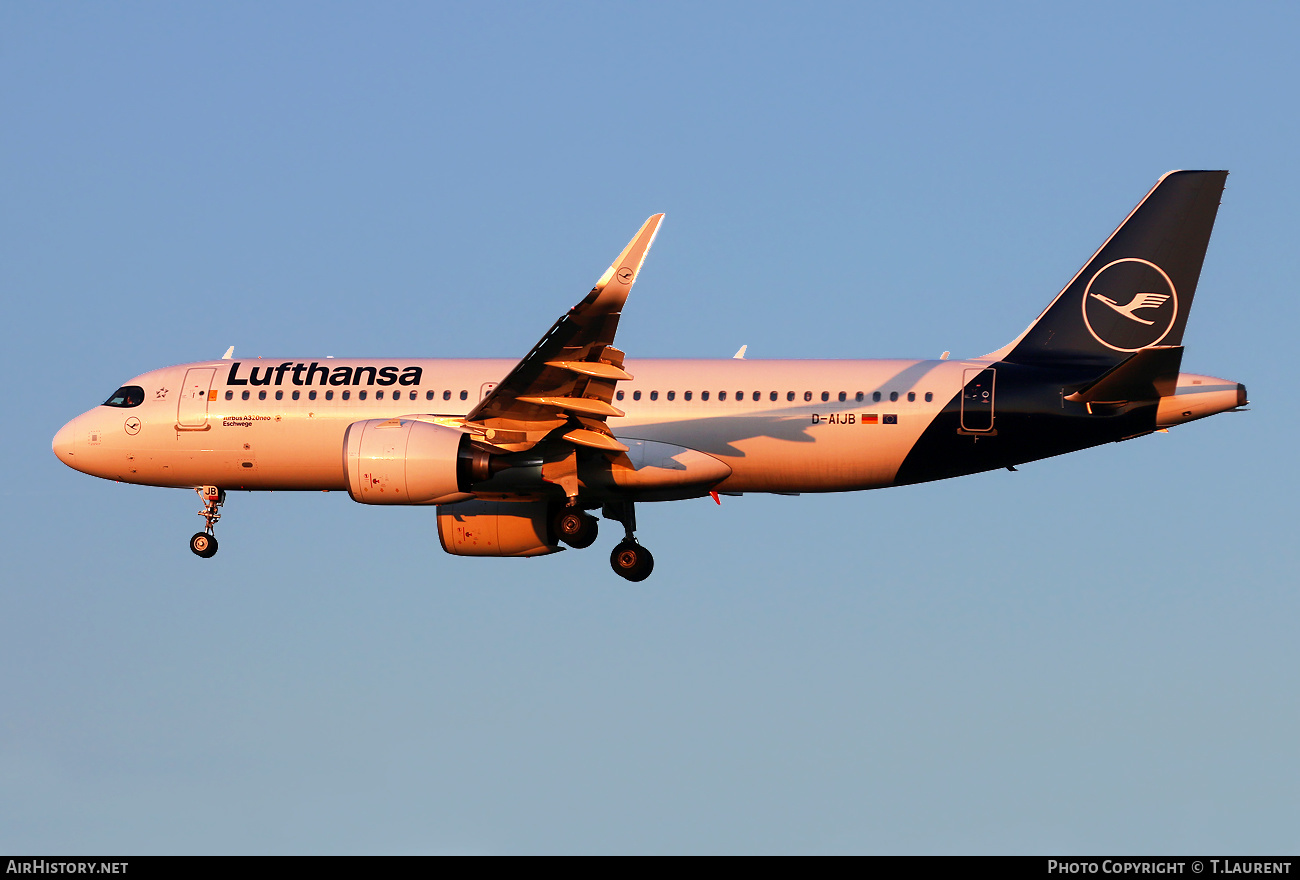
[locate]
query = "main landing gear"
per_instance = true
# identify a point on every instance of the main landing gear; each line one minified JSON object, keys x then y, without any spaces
{"x":578,"y":529}
{"x":574,"y":527}
{"x":629,"y":559}
{"x":204,"y":543}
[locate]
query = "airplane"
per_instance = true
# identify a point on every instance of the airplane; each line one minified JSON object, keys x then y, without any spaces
{"x":515,"y":456}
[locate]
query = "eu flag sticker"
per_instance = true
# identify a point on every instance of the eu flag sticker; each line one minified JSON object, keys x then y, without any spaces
{"x":889,"y":419}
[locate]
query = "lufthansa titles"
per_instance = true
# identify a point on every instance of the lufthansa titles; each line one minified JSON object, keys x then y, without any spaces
{"x":314,"y":374}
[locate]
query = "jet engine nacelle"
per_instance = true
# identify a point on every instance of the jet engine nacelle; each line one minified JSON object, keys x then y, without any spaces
{"x":404,"y":461}
{"x":495,"y":528}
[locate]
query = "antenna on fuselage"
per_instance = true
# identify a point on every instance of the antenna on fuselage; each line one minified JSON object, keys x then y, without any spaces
{"x":230,"y":352}
{"x":740,"y":355}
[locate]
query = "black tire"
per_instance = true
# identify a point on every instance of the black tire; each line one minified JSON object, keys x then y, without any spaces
{"x":631,"y":561}
{"x":203,"y":545}
{"x":575,"y":528}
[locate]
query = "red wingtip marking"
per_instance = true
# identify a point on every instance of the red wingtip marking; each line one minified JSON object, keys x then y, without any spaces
{"x":716,"y":499}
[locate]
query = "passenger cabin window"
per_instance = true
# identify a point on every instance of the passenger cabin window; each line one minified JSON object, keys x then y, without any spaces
{"x":126,"y":396}
{"x":686,"y":395}
{"x":672,"y":395}
{"x":311,"y":395}
{"x":618,"y":395}
{"x":704,"y":395}
{"x":893,"y":395}
{"x":843,"y":396}
{"x":464,"y":395}
{"x":347,"y":395}
{"x":279,"y":395}
{"x":636,"y":395}
{"x":361,"y":395}
{"x":826,"y":395}
{"x":929,"y":396}
{"x":261,"y":395}
{"x":859,"y":397}
{"x":446,"y":395}
{"x":807,"y":396}
{"x":654,"y":395}
{"x":297,"y":394}
{"x":428,"y":395}
{"x":789,"y":395}
{"x":379,"y":395}
{"x":722,"y":395}
{"x":758,"y":395}
{"x":772,"y":396}
{"x":230,"y":395}
{"x":244,"y":396}
{"x":875,"y":395}
{"x":911,"y":397}
{"x":329,"y":395}
{"x":740,"y":396}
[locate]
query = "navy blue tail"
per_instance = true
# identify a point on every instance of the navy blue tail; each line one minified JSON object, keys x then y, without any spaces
{"x":1137,"y":290}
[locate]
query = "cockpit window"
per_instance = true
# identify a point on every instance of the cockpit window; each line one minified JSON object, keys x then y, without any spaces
{"x":127,"y":395}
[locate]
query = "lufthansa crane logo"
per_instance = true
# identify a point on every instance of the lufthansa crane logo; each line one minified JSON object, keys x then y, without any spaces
{"x":1140,"y":301}
{"x":1130,"y":304}
{"x":625,"y":274}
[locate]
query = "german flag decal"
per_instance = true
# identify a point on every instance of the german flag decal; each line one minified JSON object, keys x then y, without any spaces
{"x":870,"y":419}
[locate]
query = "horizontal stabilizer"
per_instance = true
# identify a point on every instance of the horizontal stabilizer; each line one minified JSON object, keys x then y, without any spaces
{"x":1150,"y":374}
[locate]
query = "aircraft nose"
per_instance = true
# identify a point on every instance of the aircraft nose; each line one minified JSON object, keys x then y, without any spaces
{"x":64,"y":444}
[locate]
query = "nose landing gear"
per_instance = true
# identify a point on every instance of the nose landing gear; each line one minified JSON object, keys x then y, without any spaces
{"x":629,"y":560}
{"x":204,"y":543}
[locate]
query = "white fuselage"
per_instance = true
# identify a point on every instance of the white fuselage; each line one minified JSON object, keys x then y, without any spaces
{"x":848,"y":426}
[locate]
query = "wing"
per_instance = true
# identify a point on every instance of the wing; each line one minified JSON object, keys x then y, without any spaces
{"x":565,"y":385}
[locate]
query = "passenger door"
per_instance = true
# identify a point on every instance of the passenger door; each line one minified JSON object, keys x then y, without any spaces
{"x":977,"y":400}
{"x":192,"y":408}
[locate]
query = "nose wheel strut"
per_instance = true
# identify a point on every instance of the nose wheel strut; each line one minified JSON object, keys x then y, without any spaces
{"x":204,"y":543}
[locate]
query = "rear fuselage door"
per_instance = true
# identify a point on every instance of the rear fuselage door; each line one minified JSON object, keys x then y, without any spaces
{"x":192,"y":408}
{"x":977,"y":400}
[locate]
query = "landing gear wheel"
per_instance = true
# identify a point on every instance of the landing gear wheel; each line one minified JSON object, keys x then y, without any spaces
{"x":575,"y":528}
{"x":631,"y":561}
{"x":204,"y":545}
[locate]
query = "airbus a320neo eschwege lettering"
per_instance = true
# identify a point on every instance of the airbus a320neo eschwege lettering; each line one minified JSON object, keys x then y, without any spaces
{"x":515,"y":455}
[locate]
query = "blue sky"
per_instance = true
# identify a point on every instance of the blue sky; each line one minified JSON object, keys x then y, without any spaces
{"x":1094,"y":654}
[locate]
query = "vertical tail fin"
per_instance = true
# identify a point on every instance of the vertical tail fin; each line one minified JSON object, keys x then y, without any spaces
{"x":1137,"y":290}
